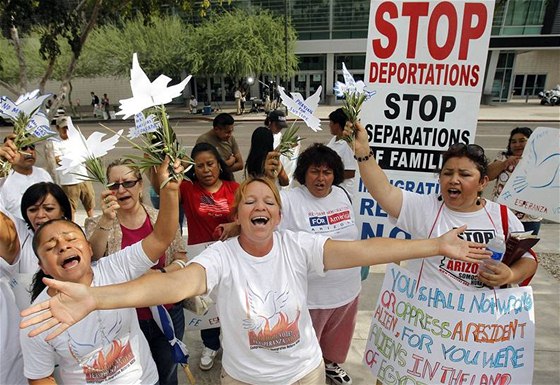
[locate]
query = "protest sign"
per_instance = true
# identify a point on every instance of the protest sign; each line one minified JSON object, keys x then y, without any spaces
{"x":426,"y":62}
{"x":534,"y":184}
{"x":209,"y":320}
{"x":431,"y":335}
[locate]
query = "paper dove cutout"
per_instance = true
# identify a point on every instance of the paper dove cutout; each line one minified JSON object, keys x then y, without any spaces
{"x":81,"y":149}
{"x":39,"y":126}
{"x":549,"y":175}
{"x":303,"y":108}
{"x":351,"y":86}
{"x":27,"y":104}
{"x":146,"y":94}
{"x":143,"y":125}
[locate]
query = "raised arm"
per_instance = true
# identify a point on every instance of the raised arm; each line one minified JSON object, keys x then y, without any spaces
{"x":9,"y":240}
{"x":375,"y":251}
{"x":75,"y":301}
{"x":97,"y":231}
{"x":388,"y":196}
{"x":167,"y":222}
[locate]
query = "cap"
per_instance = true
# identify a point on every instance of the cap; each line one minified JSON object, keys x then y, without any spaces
{"x":62,"y":121}
{"x":279,"y":117}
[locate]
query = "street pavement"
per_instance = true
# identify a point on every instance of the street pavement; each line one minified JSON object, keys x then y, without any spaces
{"x":546,"y":288}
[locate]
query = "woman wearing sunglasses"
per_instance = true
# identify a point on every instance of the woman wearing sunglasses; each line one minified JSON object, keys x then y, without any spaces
{"x":125,"y":221}
{"x":462,"y":179}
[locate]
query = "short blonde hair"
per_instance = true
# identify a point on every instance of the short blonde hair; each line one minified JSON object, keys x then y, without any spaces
{"x":241,"y":190}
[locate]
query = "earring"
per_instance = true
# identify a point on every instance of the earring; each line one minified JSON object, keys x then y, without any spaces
{"x":478,"y":200}
{"x":439,"y":198}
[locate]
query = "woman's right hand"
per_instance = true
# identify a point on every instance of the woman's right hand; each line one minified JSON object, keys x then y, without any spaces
{"x":109,"y":205}
{"x":511,"y":161}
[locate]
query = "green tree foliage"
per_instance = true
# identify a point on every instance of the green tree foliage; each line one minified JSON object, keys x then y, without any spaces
{"x":163,"y":46}
{"x":242,"y":43}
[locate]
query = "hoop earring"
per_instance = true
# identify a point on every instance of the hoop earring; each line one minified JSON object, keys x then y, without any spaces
{"x":440,"y":198}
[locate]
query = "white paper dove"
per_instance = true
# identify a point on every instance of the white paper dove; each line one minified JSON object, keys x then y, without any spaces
{"x":303,"y":108}
{"x":81,"y":149}
{"x":143,"y":125}
{"x":39,"y":126}
{"x":351,"y":86}
{"x":146,"y":94}
{"x":27,"y":104}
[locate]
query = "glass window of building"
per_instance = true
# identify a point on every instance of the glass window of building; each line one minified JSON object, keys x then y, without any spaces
{"x":528,"y":84}
{"x":518,"y":17}
{"x":350,"y":19}
{"x":503,"y":77}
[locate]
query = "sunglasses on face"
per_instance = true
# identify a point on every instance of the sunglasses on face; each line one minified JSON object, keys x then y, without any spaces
{"x":125,"y":184}
{"x":28,"y":147}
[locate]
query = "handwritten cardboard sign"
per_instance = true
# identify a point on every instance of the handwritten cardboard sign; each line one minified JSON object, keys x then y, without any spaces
{"x":430,"y":335}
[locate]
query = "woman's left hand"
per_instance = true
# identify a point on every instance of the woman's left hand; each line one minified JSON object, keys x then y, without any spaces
{"x":452,"y":246}
{"x":494,"y":274}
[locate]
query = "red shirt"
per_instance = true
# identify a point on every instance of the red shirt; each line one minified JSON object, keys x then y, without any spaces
{"x":206,"y":210}
{"x":130,"y":237}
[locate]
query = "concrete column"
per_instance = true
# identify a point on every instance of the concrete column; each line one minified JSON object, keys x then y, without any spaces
{"x":329,"y":80}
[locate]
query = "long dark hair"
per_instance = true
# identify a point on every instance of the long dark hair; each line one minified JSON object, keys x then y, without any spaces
{"x":37,"y":285}
{"x":262,"y":142}
{"x":36,"y":194}
{"x":225,"y":174}
{"x":525,"y":131}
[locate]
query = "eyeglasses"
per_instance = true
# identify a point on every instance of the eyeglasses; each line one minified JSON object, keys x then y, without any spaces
{"x":125,"y":184}
{"x":472,"y":149}
{"x":28,"y":147}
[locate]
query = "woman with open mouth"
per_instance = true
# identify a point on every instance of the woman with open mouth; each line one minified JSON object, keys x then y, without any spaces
{"x":260,"y":281}
{"x":462,"y":179}
{"x":125,"y":221}
{"x":106,"y":347}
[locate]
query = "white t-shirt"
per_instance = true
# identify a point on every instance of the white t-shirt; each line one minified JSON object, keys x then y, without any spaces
{"x":345,"y":152}
{"x":68,"y":177}
{"x":25,"y":265}
{"x":267,"y":334}
{"x":330,"y":216}
{"x":418,"y":215}
{"x":106,"y":347}
{"x":11,"y":367}
{"x":289,"y":163}
{"x":16,"y":184}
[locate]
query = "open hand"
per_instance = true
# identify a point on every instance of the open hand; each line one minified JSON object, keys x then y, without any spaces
{"x":451,"y":246}
{"x":72,"y":303}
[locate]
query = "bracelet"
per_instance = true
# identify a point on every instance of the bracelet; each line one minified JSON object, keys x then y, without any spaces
{"x":104,"y":228}
{"x":181,"y":263}
{"x":364,"y":158}
{"x":163,"y":270}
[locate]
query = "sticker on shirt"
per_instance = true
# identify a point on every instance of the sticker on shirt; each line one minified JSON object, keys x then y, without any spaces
{"x":103,"y":363}
{"x":331,"y":220}
{"x":213,"y":207}
{"x":269,"y":324}
{"x":464,"y":272}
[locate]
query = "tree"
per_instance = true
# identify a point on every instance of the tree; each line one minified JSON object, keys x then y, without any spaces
{"x":241,"y":43}
{"x":70,"y":21}
{"x":163,"y":46}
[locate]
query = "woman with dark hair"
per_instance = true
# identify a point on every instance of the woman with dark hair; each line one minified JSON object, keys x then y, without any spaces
{"x":260,"y":280}
{"x":207,"y":198}
{"x":40,"y":202}
{"x":462,"y":179}
{"x":261,"y":145}
{"x":502,"y":167}
{"x":126,"y":220}
{"x":320,"y":206}
{"x":107,"y":347}
{"x":337,"y":122}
